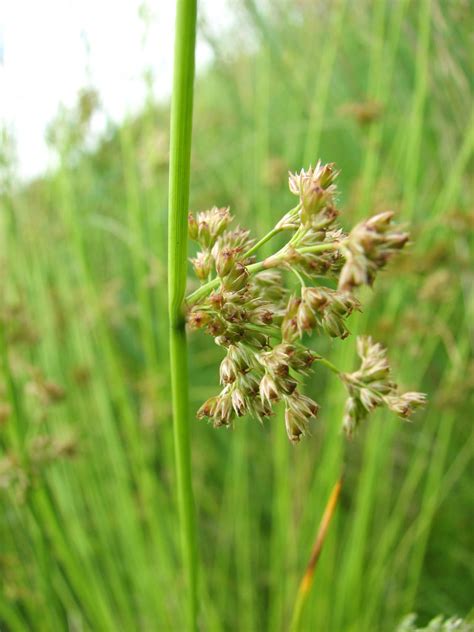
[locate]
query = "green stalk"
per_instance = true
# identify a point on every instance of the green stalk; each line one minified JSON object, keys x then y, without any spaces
{"x":179,"y":175}
{"x":270,"y":262}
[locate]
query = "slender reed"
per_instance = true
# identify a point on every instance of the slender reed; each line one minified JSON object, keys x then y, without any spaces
{"x":307,"y":580}
{"x":179,"y":174}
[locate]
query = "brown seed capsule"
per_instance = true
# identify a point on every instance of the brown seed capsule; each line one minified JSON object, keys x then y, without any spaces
{"x":248,"y":384}
{"x":287,"y":385}
{"x":269,"y":389}
{"x":306,"y":320}
{"x":302,"y":359}
{"x":256,"y":339}
{"x":315,"y":297}
{"x":334,"y":325}
{"x":224,"y":412}
{"x":228,"y":371}
{"x":295,"y":425}
{"x":208,"y":408}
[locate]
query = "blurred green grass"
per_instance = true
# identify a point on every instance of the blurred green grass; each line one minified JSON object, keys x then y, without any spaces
{"x":88,"y":533}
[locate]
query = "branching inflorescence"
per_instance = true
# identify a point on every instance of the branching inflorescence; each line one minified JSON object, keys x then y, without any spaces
{"x":246,"y":307}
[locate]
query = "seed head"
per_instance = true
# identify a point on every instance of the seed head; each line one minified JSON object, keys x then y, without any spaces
{"x":405,"y":404}
{"x":371,"y":386}
{"x":315,"y":189}
{"x":209,"y":225}
{"x":253,"y":315}
{"x":367,"y":250}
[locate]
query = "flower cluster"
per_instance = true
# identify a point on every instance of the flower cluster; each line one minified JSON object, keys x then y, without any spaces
{"x":369,"y":246}
{"x":371,"y":386}
{"x":256,"y":316}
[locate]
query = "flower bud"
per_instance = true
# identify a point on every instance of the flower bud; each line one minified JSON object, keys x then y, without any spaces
{"x":256,"y":339}
{"x":249,"y":384}
{"x":262,"y":409}
{"x":302,"y":359}
{"x":295,"y":425}
{"x":236,"y":279}
{"x":380,"y":222}
{"x":350,"y":421}
{"x":289,"y":326}
{"x":198,"y":319}
{"x":208,"y":408}
{"x":405,"y":404}
{"x":315,"y":297}
{"x":204,"y":234}
{"x":216,"y":327}
{"x":240,"y":357}
{"x":269,"y":389}
{"x":299,"y":410}
{"x":192,"y":227}
{"x":334,"y":325}
{"x":369,"y":399}
{"x":328,"y":175}
{"x":228,"y":371}
{"x":238,"y":402}
{"x":224,"y":411}
{"x":225,"y":261}
{"x":211,"y":224}
{"x":306,"y":320}
{"x":223,"y":341}
{"x":287,"y":385}
{"x":216,"y":299}
{"x":202,"y":265}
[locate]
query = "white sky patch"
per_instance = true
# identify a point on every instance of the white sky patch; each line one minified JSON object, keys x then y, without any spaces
{"x":50,"y":49}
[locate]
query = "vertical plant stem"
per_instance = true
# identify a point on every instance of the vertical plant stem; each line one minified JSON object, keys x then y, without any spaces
{"x":180,"y":158}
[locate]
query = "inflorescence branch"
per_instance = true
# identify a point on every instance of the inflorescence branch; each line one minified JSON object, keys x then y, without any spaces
{"x":245,"y":305}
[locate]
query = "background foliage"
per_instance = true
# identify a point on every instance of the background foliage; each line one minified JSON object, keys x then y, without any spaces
{"x":88,"y":537}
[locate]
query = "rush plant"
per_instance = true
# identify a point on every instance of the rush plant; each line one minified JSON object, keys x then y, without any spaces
{"x":263,"y":323}
{"x":179,"y":175}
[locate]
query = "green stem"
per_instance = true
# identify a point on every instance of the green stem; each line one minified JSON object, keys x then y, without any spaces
{"x":270,"y":262}
{"x":334,"y":245}
{"x":275,"y":230}
{"x":262,"y":241}
{"x":179,"y":176}
{"x":299,"y":277}
{"x":328,"y":365}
